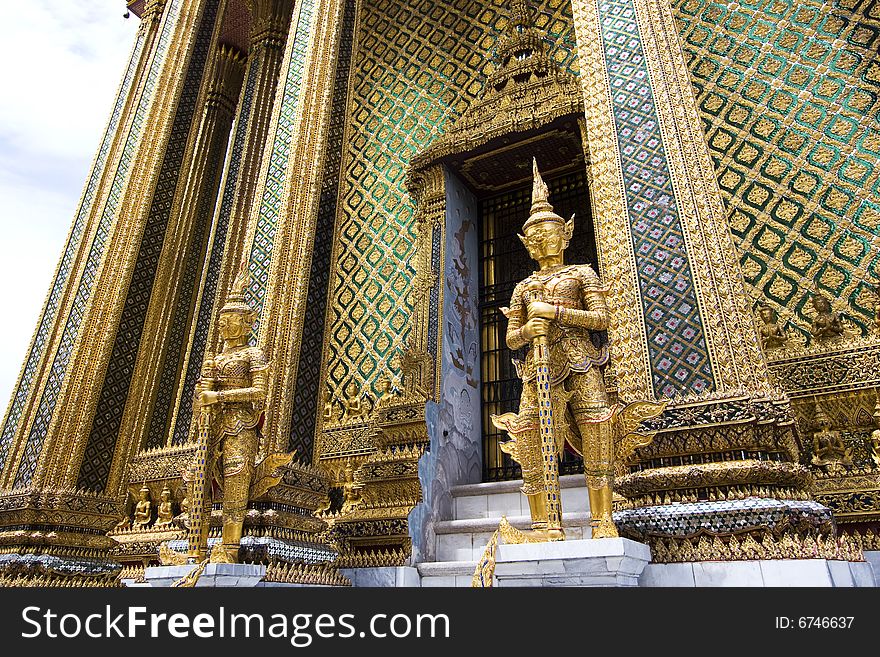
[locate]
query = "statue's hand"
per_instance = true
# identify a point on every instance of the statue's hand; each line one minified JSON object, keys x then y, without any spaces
{"x":542,"y":310}
{"x":207,"y":397}
{"x":535,"y":327}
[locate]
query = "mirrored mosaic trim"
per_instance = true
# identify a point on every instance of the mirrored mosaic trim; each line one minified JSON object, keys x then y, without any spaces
{"x":680,"y":361}
{"x":260,"y":256}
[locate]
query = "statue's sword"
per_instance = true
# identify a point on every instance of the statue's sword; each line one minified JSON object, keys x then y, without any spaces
{"x":541,"y":356}
{"x":200,"y":501}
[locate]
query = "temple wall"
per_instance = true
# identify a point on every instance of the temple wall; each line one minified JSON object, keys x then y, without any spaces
{"x":417,"y":67}
{"x":788,"y":96}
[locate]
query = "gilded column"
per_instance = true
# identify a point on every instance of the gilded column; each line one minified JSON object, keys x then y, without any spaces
{"x":181,"y":263}
{"x":288,"y":293}
{"x":111,"y":163}
{"x":62,"y":418}
{"x":271,"y":19}
{"x":682,"y":327}
{"x":280,"y":227}
{"x":76,"y":404}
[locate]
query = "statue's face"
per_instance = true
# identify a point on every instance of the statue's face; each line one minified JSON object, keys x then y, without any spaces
{"x":545,"y":239}
{"x":821,"y":304}
{"x":768,"y":315}
{"x":232,"y":326}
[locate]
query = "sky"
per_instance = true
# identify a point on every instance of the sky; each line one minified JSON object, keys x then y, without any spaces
{"x":60,"y":68}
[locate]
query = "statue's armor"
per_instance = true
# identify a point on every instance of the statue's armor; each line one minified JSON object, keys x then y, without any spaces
{"x":240,"y":382}
{"x":577,"y":355}
{"x":574,"y":345}
{"x":241,"y":402}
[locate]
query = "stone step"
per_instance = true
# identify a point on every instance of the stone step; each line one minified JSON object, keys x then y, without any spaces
{"x":504,"y":498}
{"x":457,"y":574}
{"x":465,"y":540}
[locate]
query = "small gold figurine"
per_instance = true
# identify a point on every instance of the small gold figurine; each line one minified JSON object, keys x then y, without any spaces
{"x":829,"y":450}
{"x":826,"y":324}
{"x":354,"y":404}
{"x":329,"y":412}
{"x":143,"y":510}
{"x":772,"y":335}
{"x":165,"y":513}
{"x":559,"y":312}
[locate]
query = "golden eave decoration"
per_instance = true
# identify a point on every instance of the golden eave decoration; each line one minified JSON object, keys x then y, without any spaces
{"x":526,"y":91}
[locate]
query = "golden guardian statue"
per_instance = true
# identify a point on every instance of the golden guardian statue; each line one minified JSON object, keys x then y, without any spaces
{"x":560,"y":313}
{"x":229,"y":403}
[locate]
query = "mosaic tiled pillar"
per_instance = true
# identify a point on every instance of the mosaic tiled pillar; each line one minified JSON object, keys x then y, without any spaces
{"x":121,"y":136}
{"x":269,"y":29}
{"x":183,"y":255}
{"x":115,"y":282}
{"x":281,"y":233}
{"x":47,"y":506}
{"x":681,"y":326}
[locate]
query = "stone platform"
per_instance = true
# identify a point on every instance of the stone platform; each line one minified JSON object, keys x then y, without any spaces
{"x":215,"y":575}
{"x":759,"y":574}
{"x":605,"y":562}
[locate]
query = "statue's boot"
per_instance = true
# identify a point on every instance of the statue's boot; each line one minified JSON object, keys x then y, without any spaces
{"x":541,"y":525}
{"x":231,"y":542}
{"x":599,"y":474}
{"x":601,"y":521}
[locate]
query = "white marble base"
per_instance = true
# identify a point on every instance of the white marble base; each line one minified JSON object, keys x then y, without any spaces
{"x":215,"y":575}
{"x":392,"y":576}
{"x":873,"y":558}
{"x":602,"y":562}
{"x":769,"y":573}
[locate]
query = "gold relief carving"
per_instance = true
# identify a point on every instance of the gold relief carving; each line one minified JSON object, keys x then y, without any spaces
{"x":835,"y":365}
{"x":59,"y":581}
{"x":744,"y":473}
{"x":754,"y":546}
{"x":382,"y":558}
{"x":771,"y":333}
{"x":829,"y":450}
{"x":323,"y":574}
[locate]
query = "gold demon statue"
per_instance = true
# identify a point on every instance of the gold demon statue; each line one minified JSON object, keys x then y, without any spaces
{"x":559,"y":312}
{"x":230,"y":398}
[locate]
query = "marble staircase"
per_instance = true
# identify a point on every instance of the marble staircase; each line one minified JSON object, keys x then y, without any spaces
{"x":478,"y":509}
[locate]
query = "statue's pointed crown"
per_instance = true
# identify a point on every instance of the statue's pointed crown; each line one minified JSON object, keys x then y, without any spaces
{"x":821,"y":417}
{"x":541,"y":208}
{"x":235,"y":302}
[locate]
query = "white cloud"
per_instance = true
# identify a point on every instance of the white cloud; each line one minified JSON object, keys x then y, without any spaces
{"x":60,"y":68}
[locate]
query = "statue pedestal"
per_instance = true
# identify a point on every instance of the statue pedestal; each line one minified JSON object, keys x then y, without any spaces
{"x":215,"y":575}
{"x":760,"y":573}
{"x":600,"y":562}
{"x":389,"y":576}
